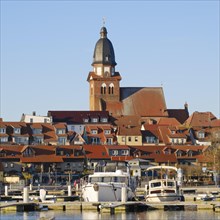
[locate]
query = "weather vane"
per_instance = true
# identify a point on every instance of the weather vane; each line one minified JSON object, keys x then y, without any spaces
{"x":103,"y":21}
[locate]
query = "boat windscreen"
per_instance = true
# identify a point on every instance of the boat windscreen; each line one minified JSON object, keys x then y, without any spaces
{"x":108,"y":179}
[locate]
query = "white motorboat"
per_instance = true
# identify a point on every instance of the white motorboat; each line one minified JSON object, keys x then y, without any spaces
{"x":164,"y":184}
{"x":108,"y":186}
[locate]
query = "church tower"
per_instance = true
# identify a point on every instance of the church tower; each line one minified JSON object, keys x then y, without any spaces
{"x":104,"y":82}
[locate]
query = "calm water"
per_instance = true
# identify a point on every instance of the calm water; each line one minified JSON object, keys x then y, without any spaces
{"x":92,"y":215}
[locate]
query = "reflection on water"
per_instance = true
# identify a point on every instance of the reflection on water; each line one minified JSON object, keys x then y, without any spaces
{"x":93,"y":215}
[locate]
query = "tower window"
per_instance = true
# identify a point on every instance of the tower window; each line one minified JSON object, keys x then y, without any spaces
{"x":111,"y":89}
{"x":103,"y":89}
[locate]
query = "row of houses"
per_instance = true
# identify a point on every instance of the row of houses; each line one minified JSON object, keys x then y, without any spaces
{"x":76,"y":159}
{"x":98,"y":127}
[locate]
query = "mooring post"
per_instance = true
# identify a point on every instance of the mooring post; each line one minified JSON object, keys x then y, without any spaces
{"x":77,"y":189}
{"x":26,"y":195}
{"x":43,"y":194}
{"x":6,"y":190}
{"x":69,"y":190}
{"x":112,"y":210}
{"x":31,"y":187}
{"x":123,"y":194}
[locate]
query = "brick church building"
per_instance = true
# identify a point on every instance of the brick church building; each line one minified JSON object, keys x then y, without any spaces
{"x":107,"y":95}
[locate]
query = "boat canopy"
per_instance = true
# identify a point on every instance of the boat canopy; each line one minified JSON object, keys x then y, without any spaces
{"x":161,"y":168}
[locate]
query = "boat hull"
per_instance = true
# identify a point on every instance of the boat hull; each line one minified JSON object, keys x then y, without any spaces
{"x":167,"y":197}
{"x":104,"y":193}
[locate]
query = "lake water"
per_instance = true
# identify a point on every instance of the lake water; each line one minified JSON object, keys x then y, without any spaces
{"x":93,"y":215}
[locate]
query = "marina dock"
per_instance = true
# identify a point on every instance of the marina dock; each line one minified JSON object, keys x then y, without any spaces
{"x":74,"y":201}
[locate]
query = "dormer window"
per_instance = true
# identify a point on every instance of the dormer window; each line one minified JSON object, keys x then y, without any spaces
{"x":107,"y":131}
{"x":150,"y":139}
{"x":201,"y":134}
{"x":2,"y":130}
{"x":28,"y":152}
{"x":17,"y":130}
{"x":114,"y":152}
{"x":94,"y":131}
{"x":94,"y":120}
{"x":37,"y":130}
{"x":190,"y":153}
{"x":86,"y":120}
{"x":104,"y":119}
{"x":179,"y":153}
{"x":124,"y":152}
{"x":60,"y":131}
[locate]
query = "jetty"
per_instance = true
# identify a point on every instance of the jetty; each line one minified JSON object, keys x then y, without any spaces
{"x":71,"y":200}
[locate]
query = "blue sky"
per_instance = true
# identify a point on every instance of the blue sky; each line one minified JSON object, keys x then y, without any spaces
{"x":47,"y":49}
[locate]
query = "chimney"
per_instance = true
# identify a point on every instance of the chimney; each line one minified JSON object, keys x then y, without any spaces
{"x":34,"y":113}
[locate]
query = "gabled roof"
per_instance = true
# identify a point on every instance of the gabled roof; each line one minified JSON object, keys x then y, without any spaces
{"x":59,"y":125}
{"x":96,"y":152}
{"x":76,"y":117}
{"x":181,"y":115}
{"x":201,"y":119}
{"x":143,"y":101}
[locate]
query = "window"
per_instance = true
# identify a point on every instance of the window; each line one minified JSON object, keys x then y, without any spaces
{"x":190,"y":153}
{"x":114,"y":152}
{"x":201,"y":134}
{"x":103,"y":88}
{"x":124,"y":152}
{"x":129,"y":138}
{"x":179,"y":153}
{"x":28,"y":152}
{"x":94,"y":140}
{"x":111,"y":89}
{"x":86,"y":120}
{"x":94,"y":131}
{"x":61,"y":131}
{"x":62,"y":140}
{"x":104,"y":119}
{"x":123,"y":139}
{"x":3,"y":139}
{"x":31,"y":120}
{"x":107,"y":131}
{"x":38,"y":140}
{"x":150,"y":139}
{"x":94,"y":119}
{"x":17,"y":130}
{"x":21,"y":140}
{"x":2,"y":130}
{"x":36,"y":130}
{"x":136,"y":139}
{"x":109,"y":141}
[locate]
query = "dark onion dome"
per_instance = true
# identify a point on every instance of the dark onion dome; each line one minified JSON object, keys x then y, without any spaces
{"x":104,"y":51}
